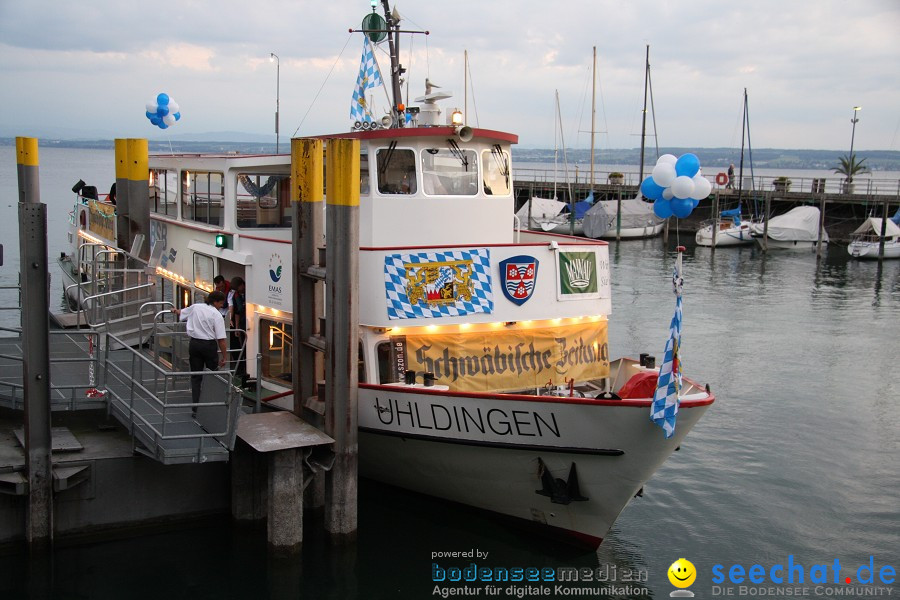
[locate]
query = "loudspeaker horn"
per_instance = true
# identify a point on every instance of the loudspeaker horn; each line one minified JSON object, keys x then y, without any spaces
{"x":387,"y":121}
{"x":465,"y":133}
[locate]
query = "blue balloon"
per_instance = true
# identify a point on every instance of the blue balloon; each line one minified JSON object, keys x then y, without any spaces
{"x":695,"y":202}
{"x":662,"y":208}
{"x":177,"y":116}
{"x":682,"y":207}
{"x":651,"y":190}
{"x":162,"y":125}
{"x":162,"y":99}
{"x":162,"y":111}
{"x":687,"y":165}
{"x":155,"y":120}
{"x":150,"y":115}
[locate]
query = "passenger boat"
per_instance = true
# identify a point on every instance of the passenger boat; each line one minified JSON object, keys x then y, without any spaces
{"x":484,"y":369}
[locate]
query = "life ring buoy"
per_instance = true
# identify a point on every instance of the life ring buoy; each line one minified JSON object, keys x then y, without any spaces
{"x":721,"y":179}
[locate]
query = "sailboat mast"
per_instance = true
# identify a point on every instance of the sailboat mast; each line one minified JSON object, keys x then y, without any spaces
{"x":593,"y":112}
{"x":562,"y":139}
{"x":644,"y":115}
{"x":393,"y":36}
{"x":465,"y":87}
{"x":743,"y":133}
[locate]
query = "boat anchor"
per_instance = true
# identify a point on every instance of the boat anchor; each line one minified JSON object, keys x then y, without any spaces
{"x":559,"y":491}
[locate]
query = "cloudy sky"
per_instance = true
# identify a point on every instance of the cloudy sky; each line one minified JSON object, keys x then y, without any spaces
{"x":89,"y":67}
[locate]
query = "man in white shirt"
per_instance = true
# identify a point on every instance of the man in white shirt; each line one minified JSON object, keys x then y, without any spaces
{"x":206,"y":328}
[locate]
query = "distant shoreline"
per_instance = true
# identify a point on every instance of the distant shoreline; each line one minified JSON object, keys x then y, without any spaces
{"x":763,"y":158}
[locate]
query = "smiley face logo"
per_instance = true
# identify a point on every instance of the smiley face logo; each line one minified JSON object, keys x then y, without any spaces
{"x":682,"y":573}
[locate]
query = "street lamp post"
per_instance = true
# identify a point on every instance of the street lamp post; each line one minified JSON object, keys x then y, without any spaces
{"x":853,"y":120}
{"x":274,"y":58}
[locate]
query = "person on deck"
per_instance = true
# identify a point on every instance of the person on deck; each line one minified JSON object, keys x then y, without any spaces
{"x":237,"y":308}
{"x":221,"y":285}
{"x":206,"y":328}
{"x":730,"y":185}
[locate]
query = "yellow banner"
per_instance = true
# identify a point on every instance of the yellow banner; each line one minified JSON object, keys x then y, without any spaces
{"x":103,"y":219}
{"x":507,"y":360}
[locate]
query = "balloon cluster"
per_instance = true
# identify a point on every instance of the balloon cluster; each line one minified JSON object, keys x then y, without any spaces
{"x":163,"y":112}
{"x":676,"y":186}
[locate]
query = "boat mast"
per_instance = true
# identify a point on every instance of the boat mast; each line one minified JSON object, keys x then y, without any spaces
{"x":743,"y":133}
{"x":392,"y":18}
{"x":566,"y":163}
{"x":593,"y":112}
{"x":644,"y":115}
{"x":750,"y":153}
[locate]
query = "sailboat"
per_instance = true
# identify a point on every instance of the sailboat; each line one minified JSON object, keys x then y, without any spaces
{"x":629,"y":218}
{"x":550,"y":214}
{"x":730,"y":228}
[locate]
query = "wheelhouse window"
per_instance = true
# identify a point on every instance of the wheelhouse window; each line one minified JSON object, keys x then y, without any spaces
{"x":202,"y":196}
{"x":263,"y":200}
{"x":396,"y":170}
{"x":275,"y":343}
{"x":164,"y":192}
{"x":449,"y":171}
{"x":495,"y":170}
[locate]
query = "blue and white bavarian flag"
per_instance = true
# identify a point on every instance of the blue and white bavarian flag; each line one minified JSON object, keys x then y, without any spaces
{"x":438,"y":284}
{"x":369,"y":77}
{"x":665,"y":401}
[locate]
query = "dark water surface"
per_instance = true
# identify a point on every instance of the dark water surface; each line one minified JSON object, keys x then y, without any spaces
{"x":799,"y":456}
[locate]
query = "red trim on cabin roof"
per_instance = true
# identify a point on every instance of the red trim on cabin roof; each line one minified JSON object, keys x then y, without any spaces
{"x":634,"y":403}
{"x":580,"y":242}
{"x":412,"y":132}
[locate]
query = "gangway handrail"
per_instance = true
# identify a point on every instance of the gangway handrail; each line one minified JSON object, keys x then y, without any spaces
{"x":104,"y":294}
{"x":162,"y":405}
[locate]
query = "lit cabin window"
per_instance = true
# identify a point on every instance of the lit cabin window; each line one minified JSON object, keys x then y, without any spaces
{"x":449,"y":171}
{"x":263,"y":200}
{"x":396,"y":171}
{"x":275,"y":342}
{"x":204,"y":267}
{"x":495,"y":168}
{"x":164,"y":192}
{"x":202,"y":197}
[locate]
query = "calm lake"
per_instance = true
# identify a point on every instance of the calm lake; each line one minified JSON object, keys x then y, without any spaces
{"x":799,"y":456}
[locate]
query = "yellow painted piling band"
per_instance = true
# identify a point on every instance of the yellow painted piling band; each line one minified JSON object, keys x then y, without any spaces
{"x":27,"y":151}
{"x":342,"y":172}
{"x":138,"y":160}
{"x":307,"y":183}
{"x":121,"y":158}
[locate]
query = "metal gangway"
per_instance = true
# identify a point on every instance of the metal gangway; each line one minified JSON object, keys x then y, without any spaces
{"x":146,"y":386}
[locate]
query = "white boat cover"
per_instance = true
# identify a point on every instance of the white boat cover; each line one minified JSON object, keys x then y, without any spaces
{"x":636,"y":214}
{"x":872,"y":225}
{"x":541,"y":209}
{"x":799,"y":224}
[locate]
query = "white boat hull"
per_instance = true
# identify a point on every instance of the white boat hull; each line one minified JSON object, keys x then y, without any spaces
{"x":804,"y":245}
{"x":869,"y":250}
{"x":730,"y":236}
{"x":433,"y":443}
{"x":634,"y":233}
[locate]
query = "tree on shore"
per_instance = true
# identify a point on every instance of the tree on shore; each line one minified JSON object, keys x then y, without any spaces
{"x":851,"y":166}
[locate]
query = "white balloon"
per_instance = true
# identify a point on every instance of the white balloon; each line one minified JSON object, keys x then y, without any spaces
{"x":664,"y":174}
{"x":152,"y":107}
{"x":173,"y":107}
{"x":169,"y":119}
{"x":667,"y":159}
{"x":667,"y":194}
{"x":702,"y":187}
{"x":683,"y":187}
